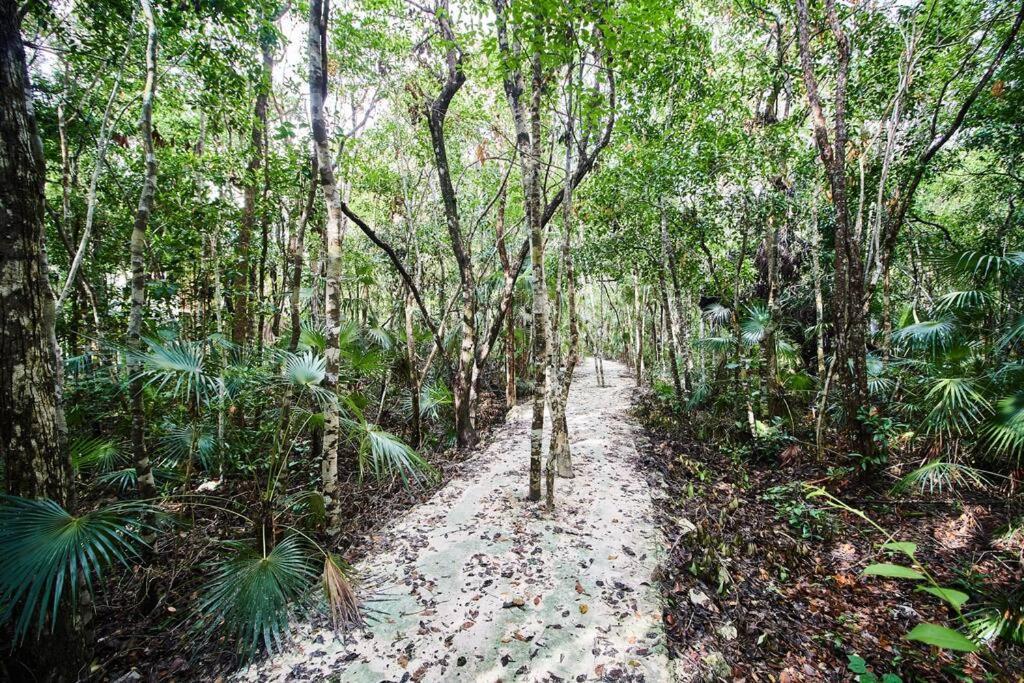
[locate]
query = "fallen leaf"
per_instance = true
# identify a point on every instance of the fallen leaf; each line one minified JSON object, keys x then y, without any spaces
{"x":583,"y":609}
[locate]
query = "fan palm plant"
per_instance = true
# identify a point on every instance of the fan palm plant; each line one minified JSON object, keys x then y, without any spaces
{"x":45,"y":552}
{"x":252,"y":593}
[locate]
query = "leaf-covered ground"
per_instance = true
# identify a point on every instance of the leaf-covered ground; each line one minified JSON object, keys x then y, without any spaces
{"x":480,"y":584}
{"x":763,"y":584}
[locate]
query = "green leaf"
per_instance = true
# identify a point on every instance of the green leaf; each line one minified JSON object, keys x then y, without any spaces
{"x":857,"y":664}
{"x":940,"y":636}
{"x":893,"y":571}
{"x":953,"y":597}
{"x":905,"y":547}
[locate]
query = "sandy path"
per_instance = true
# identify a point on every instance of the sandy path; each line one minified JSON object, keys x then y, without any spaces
{"x":478,"y":584}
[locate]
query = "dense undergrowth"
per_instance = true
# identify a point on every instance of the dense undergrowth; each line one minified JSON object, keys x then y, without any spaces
{"x":767,"y":579}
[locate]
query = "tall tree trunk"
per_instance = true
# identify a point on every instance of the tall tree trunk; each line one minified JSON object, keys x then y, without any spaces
{"x":242,"y":283}
{"x":143,"y":468}
{"x":562,"y":372}
{"x":410,"y":352}
{"x":266,"y":87}
{"x":848,"y":316}
{"x":437,"y":111}
{"x":638,"y":329}
{"x":33,"y":434}
{"x":319,"y":11}
{"x":819,"y":306}
{"x":510,"y":319}
{"x":769,"y":344}
{"x":296,"y":245}
{"x":681,"y":330}
{"x":527,"y":127}
{"x":673,"y":330}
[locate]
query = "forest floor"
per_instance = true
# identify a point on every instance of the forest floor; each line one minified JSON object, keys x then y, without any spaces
{"x":763,"y":584}
{"x":477,"y":583}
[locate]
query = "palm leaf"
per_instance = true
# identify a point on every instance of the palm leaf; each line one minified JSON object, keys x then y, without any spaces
{"x":957,"y":406}
{"x":716,"y":344}
{"x":717,"y":314}
{"x":963,"y":300}
{"x":977,"y":264}
{"x":96,"y":453}
{"x":45,"y":552}
{"x":252,"y":594}
{"x":1004,"y":432}
{"x":754,"y":326}
{"x":941,"y":475}
{"x":1014,"y":334}
{"x":179,"y":366}
{"x":930,"y":335}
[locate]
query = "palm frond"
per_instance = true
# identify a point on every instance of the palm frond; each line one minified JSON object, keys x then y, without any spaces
{"x":1004,"y":432}
{"x":963,"y":300}
{"x":1014,"y":334}
{"x":435,"y":399}
{"x":45,"y":551}
{"x":929,"y":335}
{"x":754,"y":326}
{"x":382,"y":454}
{"x":941,"y":475}
{"x":716,"y":344}
{"x":96,"y":453}
{"x":252,"y":594}
{"x":341,"y":598}
{"x":313,"y":337}
{"x":957,"y":406}
{"x":717,"y":314}
{"x":179,"y":366}
{"x":179,"y":443}
{"x":977,"y":264}
{"x":380,"y":337}
{"x":1002,"y":617}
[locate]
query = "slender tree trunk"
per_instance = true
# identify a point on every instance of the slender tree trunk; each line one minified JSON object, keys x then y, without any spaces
{"x":143,"y":468}
{"x":849,"y":319}
{"x":296,"y":246}
{"x":680,"y":331}
{"x":266,"y":88}
{"x":638,"y":329}
{"x":769,"y":344}
{"x":510,"y":319}
{"x":414,"y":385}
{"x":562,"y":373}
{"x":437,"y":111}
{"x":335,"y":232}
{"x":33,"y":434}
{"x":674,"y":332}
{"x":819,"y":306}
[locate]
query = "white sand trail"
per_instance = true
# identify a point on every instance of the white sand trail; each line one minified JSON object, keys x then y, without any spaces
{"x":478,"y":584}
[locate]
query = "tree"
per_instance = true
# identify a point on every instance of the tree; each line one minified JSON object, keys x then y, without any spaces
{"x":33,"y":433}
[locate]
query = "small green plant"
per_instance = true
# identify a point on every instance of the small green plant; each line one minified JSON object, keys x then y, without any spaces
{"x":771,"y":439}
{"x":859,"y":667}
{"x":913,"y":569}
{"x":885,"y":431}
{"x":811,"y":522}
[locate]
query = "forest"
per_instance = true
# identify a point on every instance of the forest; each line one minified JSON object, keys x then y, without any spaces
{"x":501,"y":340}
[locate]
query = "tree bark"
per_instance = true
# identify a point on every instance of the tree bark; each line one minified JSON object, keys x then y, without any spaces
{"x":33,"y":434}
{"x":527,"y":127}
{"x":562,"y":372}
{"x":143,"y":468}
{"x":848,"y":316}
{"x":335,"y":232}
{"x":673,"y":329}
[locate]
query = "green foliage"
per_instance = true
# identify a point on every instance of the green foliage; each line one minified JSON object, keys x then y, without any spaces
{"x":811,"y":522}
{"x":252,"y":593}
{"x":45,"y":552}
